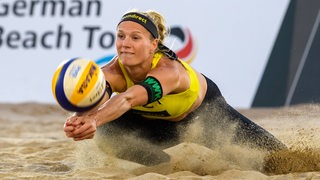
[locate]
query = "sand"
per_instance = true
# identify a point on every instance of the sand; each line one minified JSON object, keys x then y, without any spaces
{"x":33,"y":146}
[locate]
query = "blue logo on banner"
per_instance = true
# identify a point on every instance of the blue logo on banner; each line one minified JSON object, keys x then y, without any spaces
{"x":104,"y":60}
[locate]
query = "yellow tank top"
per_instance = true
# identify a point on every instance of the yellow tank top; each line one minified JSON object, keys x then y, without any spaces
{"x":171,"y":105}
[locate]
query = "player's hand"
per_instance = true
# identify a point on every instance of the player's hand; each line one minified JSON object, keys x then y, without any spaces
{"x":80,"y":127}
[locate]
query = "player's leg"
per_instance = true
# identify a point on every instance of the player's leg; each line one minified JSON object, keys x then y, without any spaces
{"x":221,"y":120}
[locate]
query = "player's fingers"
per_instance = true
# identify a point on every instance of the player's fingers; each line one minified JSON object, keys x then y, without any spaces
{"x":84,"y":130}
{"x":69,"y":134}
{"x":68,"y":128}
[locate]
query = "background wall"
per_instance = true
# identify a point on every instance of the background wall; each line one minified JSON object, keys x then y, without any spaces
{"x":292,"y":72}
{"x":232,"y":40}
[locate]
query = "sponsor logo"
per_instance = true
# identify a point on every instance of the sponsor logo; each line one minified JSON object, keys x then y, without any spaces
{"x":188,"y":51}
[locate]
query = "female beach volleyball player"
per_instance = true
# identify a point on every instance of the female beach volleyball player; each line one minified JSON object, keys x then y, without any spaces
{"x":158,"y":96}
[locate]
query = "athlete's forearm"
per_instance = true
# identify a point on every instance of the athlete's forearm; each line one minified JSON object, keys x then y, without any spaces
{"x":112,"y":109}
{"x":121,"y":103}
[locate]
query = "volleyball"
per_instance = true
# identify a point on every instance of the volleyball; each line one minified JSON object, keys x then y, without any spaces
{"x":78,"y":84}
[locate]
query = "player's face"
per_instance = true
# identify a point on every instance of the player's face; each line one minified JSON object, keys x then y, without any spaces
{"x":134,"y":44}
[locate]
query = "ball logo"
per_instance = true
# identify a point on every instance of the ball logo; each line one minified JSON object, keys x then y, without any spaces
{"x":99,"y":92}
{"x":88,"y":78}
{"x":74,"y":71}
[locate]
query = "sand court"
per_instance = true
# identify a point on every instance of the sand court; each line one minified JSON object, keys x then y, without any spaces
{"x":33,"y":145}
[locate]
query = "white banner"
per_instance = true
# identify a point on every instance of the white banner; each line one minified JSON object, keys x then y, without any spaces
{"x":229,"y":41}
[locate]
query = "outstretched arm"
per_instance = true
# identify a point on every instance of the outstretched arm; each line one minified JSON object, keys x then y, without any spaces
{"x":121,"y":103}
{"x":80,"y":127}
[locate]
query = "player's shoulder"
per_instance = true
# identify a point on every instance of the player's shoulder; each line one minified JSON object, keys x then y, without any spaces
{"x":112,"y":65}
{"x":114,"y":75}
{"x":167,"y":62}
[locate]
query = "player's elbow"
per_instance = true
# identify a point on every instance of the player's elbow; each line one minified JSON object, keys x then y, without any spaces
{"x":136,"y":96}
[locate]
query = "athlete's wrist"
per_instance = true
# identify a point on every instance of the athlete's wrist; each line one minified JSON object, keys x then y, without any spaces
{"x":96,"y":118}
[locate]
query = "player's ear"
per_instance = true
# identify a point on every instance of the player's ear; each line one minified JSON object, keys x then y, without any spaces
{"x":154,"y":44}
